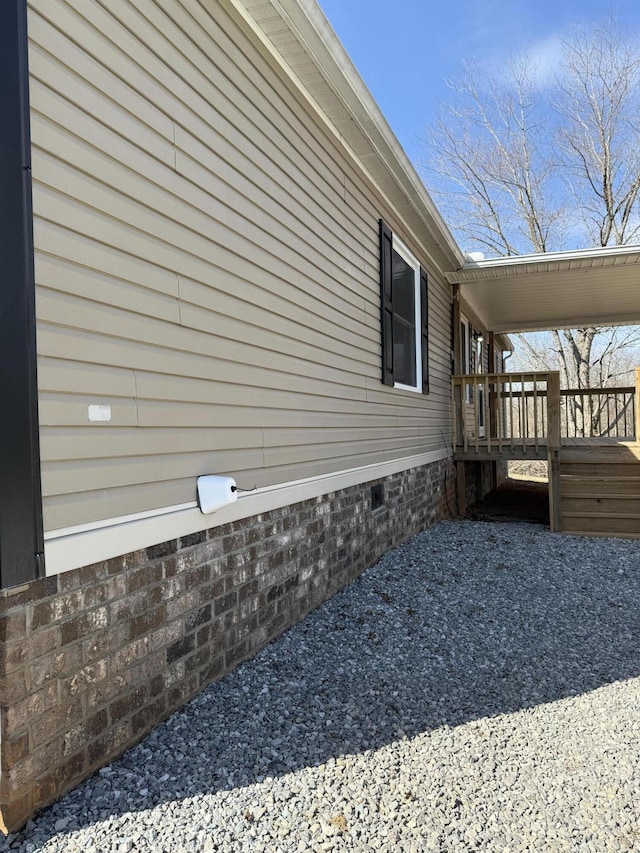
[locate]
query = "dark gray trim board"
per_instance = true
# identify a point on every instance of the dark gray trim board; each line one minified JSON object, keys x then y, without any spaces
{"x":21,"y":538}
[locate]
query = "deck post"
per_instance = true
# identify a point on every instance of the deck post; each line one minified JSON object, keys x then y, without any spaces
{"x":637,"y":407}
{"x":461,"y":485}
{"x":553,"y":410}
{"x":493,"y":401}
{"x":458,"y":426}
{"x":553,"y":450}
{"x":455,"y":331}
{"x":555,"y":516}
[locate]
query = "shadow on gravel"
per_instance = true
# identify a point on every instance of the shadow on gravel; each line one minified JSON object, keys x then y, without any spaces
{"x":465,"y":621}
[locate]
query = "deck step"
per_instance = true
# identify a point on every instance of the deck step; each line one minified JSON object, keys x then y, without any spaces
{"x":601,"y":504}
{"x":574,"y":486}
{"x":600,"y":491}
{"x":618,"y":454}
{"x":622,"y":470}
{"x":612,"y":524}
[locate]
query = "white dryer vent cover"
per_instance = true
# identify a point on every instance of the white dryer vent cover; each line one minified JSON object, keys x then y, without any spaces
{"x":215,"y":492}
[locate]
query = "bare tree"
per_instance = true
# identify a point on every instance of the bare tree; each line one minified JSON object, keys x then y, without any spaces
{"x":519,"y":166}
{"x":490,"y":157}
{"x":598,"y":135}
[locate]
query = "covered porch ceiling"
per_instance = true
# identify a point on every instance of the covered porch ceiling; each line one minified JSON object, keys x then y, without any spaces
{"x":593,"y":287}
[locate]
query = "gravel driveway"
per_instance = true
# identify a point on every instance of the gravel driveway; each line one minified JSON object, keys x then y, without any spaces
{"x":478,"y":689}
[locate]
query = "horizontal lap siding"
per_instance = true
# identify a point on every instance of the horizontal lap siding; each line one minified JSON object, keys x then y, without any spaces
{"x":206,"y":265}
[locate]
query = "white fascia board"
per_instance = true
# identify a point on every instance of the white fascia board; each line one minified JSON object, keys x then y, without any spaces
{"x":81,"y":545}
{"x":577,"y":321}
{"x":543,"y":261}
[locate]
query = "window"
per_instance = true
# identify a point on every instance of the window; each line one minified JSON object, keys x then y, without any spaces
{"x":404,"y":297}
{"x":471,"y":344}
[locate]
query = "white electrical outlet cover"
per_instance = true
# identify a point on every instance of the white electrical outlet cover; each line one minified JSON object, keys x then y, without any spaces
{"x":99,"y":413}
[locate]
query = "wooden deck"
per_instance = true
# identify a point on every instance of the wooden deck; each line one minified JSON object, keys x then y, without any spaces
{"x":599,"y":441}
{"x":594,"y":473}
{"x":529,"y":448}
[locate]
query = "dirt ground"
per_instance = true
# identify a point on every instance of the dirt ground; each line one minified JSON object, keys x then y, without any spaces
{"x":515,"y":500}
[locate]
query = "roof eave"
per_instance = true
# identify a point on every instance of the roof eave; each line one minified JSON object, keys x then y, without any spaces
{"x":353,"y":113}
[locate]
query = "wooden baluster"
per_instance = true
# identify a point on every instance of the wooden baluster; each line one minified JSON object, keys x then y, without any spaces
{"x":627,"y":405}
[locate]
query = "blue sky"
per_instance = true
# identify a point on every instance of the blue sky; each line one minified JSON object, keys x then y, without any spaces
{"x":406,"y":50}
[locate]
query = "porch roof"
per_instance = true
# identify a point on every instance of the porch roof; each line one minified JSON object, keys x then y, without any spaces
{"x":555,"y":290}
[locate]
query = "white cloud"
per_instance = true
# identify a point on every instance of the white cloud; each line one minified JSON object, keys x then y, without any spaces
{"x":545,"y":56}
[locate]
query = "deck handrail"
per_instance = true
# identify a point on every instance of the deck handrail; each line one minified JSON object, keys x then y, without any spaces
{"x":528,"y":409}
{"x":491,"y":410}
{"x":599,"y":412}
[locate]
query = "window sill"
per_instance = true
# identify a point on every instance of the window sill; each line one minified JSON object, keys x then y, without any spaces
{"x":407,"y":388}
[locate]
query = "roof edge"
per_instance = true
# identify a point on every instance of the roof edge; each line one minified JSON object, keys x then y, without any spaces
{"x":563,"y":258}
{"x":311,"y":31}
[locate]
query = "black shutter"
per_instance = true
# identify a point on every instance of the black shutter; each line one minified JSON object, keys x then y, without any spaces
{"x":424,"y":329}
{"x":386,"y":301}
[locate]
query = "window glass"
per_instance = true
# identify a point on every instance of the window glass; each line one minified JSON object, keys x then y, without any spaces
{"x":404,"y":321}
{"x":403,"y":314}
{"x":404,"y":289}
{"x":404,"y":352}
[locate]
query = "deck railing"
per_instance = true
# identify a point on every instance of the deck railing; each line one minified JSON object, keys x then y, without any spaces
{"x":528,"y":412}
{"x":598,"y":412}
{"x":496,"y":411}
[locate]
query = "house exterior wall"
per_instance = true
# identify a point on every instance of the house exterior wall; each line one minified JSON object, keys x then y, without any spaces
{"x":93,"y":658}
{"x":207,"y":265}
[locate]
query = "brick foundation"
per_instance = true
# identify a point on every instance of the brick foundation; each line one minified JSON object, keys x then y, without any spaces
{"x":92,"y":659}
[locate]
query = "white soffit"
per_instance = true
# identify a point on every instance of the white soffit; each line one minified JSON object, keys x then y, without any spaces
{"x":556,"y":290}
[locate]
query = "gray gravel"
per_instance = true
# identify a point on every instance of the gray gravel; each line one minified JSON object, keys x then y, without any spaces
{"x":478,"y":689}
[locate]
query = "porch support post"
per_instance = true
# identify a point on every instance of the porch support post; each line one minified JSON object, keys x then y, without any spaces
{"x":553,"y":450}
{"x":461,"y":485}
{"x":455,"y":331}
{"x":491,"y":353}
{"x":21,"y":539}
{"x":553,"y":464}
{"x":461,"y":482}
{"x":493,"y":406}
{"x":637,"y":424}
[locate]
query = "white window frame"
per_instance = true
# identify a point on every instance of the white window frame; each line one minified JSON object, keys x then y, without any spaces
{"x":409,"y":258}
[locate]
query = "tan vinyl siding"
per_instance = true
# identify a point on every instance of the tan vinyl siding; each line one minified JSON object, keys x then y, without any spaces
{"x":206,"y":265}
